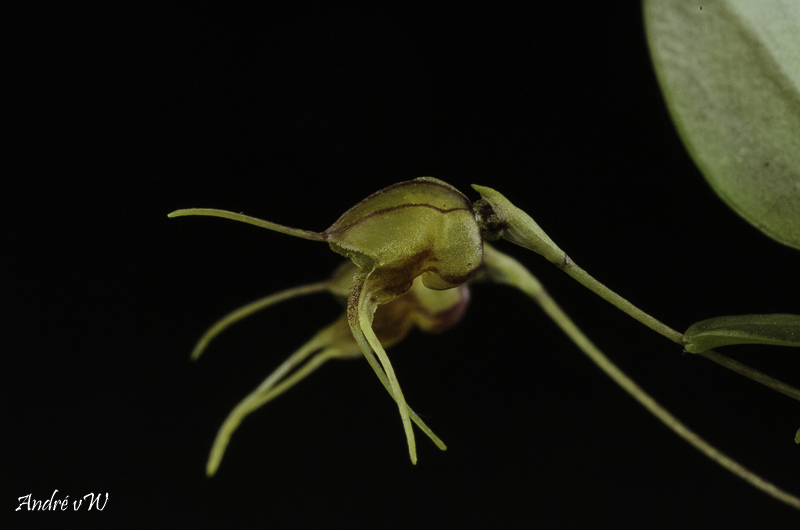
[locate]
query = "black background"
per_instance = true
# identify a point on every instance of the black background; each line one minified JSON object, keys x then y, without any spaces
{"x":123,"y":115}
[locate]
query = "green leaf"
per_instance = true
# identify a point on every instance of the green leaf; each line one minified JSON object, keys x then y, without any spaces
{"x":777,"y":330}
{"x":730,"y":74}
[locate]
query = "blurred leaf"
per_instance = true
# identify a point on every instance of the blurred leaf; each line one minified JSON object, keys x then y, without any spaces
{"x":777,"y":330}
{"x":730,"y":74}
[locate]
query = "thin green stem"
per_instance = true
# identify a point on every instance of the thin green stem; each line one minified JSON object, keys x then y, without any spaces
{"x":505,"y":220}
{"x":751,"y":373}
{"x":504,"y":269}
{"x":588,"y":281}
{"x":619,"y":377}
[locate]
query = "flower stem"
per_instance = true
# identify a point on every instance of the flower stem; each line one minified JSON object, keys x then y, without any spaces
{"x":505,"y":269}
{"x":588,"y":281}
{"x":500,"y":218}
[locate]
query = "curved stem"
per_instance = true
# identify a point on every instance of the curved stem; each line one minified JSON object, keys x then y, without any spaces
{"x":588,"y":281}
{"x":509,"y":271}
{"x":503,"y":219}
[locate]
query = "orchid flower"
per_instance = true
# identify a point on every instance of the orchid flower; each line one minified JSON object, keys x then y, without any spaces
{"x":413,"y":248}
